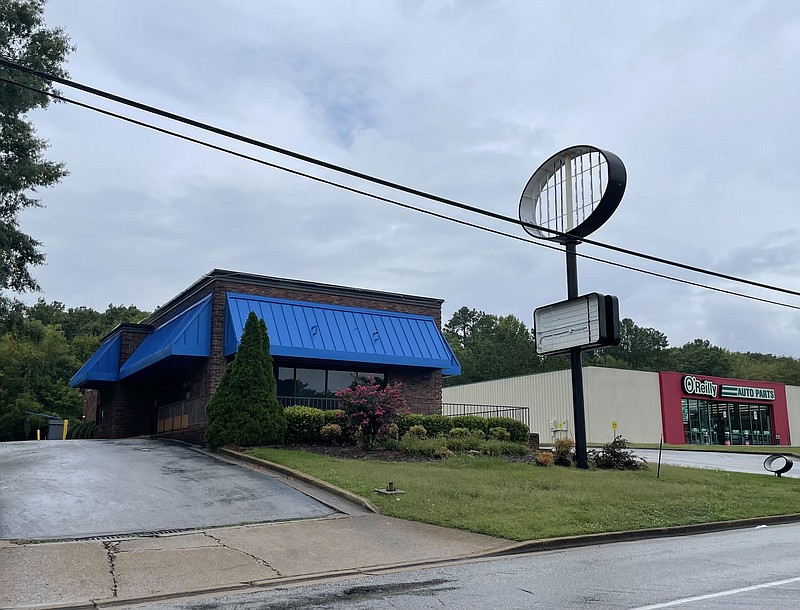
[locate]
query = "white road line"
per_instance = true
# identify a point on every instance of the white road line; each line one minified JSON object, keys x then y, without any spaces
{"x":699,"y":598}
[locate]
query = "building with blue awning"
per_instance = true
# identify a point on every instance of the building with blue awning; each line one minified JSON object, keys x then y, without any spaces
{"x":157,"y":376}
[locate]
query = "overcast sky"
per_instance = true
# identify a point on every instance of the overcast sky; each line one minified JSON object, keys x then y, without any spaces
{"x":463,"y":99}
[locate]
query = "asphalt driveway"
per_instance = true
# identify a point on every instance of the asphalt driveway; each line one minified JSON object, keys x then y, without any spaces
{"x":79,"y":489}
{"x":732,"y":462}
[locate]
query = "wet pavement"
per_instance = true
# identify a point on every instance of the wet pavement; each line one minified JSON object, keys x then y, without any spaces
{"x":79,"y":489}
{"x":76,"y":489}
{"x":732,"y":462}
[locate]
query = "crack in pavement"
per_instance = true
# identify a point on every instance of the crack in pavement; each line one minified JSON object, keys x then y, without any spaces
{"x":112,"y":548}
{"x":263,"y":562}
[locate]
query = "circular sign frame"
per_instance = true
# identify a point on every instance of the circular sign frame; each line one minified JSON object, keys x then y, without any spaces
{"x":572,"y":194}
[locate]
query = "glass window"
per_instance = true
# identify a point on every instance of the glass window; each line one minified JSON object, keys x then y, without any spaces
{"x":285,"y":381}
{"x":378,"y":377}
{"x":340,"y":380}
{"x":746,"y":418}
{"x":735,"y":423}
{"x":310,"y":382}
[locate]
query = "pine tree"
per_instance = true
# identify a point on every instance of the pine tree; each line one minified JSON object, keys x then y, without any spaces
{"x":245,"y":410}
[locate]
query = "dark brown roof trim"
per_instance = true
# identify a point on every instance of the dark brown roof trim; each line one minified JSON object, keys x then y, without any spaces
{"x":296,"y":285}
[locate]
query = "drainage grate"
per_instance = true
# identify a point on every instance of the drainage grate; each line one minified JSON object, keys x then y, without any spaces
{"x":105,"y":537}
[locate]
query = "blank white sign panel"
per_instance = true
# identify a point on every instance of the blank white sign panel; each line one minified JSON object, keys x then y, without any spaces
{"x":573,"y":323}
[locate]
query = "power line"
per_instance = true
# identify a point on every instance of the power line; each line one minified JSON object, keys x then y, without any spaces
{"x":380,"y":182}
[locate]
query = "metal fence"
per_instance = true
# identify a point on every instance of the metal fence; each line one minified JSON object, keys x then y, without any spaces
{"x":326,"y":404}
{"x":521,"y":414}
{"x":182,"y":414}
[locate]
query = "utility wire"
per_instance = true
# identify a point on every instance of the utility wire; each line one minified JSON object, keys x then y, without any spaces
{"x":384,"y":199}
{"x":362,"y":176}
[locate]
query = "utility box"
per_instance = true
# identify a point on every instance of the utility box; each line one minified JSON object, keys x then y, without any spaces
{"x":55,"y":429}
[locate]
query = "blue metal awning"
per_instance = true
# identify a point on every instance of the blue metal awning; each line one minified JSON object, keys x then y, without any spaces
{"x":304,"y":329}
{"x":187,"y":334}
{"x":102,"y":366}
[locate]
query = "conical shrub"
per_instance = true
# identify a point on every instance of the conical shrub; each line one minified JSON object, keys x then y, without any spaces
{"x":245,"y":410}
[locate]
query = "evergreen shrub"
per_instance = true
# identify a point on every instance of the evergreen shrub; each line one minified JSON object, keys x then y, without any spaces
{"x":500,"y":434}
{"x":519,"y":431}
{"x":437,"y":425}
{"x":335,"y":417}
{"x":331,"y":433}
{"x":245,"y":410}
{"x":303,"y":425}
{"x":471,"y":422}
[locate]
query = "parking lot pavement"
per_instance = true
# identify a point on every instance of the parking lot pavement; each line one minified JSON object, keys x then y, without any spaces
{"x":78,"y":489}
{"x":732,"y":462}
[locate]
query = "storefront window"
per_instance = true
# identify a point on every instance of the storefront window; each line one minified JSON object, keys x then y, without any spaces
{"x":720,"y":423}
{"x":285,"y":381}
{"x":317,"y":387}
{"x":340,"y":380}
{"x":310,"y":382}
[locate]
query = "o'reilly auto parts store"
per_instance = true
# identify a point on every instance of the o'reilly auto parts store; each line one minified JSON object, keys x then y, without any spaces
{"x":643,"y":406}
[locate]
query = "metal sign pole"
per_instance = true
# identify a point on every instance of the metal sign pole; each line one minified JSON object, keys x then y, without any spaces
{"x":570,"y":196}
{"x":579,"y":416}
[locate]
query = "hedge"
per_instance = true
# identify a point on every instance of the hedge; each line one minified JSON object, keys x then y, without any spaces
{"x":440,"y":425}
{"x":519,"y":431}
{"x":303,"y":425}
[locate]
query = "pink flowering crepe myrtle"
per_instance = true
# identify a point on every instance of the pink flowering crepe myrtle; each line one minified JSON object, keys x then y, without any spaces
{"x":369,"y":408}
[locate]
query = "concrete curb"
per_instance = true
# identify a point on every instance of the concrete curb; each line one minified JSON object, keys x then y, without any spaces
{"x":518,"y":548}
{"x":567,"y":542}
{"x":342,"y":493}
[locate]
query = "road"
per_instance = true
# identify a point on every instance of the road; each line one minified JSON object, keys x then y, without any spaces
{"x":733,"y":462}
{"x":77,"y":489}
{"x":753,"y":568}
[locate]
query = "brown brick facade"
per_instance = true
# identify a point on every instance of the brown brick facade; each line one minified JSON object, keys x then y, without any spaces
{"x":131,"y":407}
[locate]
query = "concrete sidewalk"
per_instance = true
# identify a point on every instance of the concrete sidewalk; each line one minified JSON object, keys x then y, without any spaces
{"x":91,"y":573}
{"x":109,"y":571}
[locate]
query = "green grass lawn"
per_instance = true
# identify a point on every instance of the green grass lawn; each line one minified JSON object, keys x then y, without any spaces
{"x":521,"y":501}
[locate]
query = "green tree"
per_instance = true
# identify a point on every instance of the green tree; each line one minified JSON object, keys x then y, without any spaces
{"x":245,"y":410}
{"x":702,"y":358}
{"x":82,"y":326}
{"x":24,"y":39}
{"x":641,"y":349}
{"x":35,"y":365}
{"x":490,"y":346}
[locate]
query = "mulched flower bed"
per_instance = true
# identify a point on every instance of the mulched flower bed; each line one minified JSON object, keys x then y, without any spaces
{"x":352,"y":452}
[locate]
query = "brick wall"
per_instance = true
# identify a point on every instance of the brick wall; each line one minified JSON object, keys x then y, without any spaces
{"x":130,"y":406}
{"x":192,"y":435}
{"x":422,"y":388}
{"x":120,"y":402}
{"x":89,"y":405}
{"x":348,"y":300}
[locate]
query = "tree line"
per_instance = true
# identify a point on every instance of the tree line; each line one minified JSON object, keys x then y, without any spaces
{"x":493,"y":347}
{"x":41,"y":347}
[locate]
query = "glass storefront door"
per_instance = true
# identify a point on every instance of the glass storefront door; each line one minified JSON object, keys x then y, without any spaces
{"x":708,"y":422}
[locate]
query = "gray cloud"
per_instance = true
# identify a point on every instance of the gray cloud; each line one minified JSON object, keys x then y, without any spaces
{"x":462,"y":99}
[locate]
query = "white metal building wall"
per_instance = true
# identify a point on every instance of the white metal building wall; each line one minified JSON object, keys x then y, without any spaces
{"x":548,"y":396}
{"x":793,"y":407}
{"x":631,"y":398}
